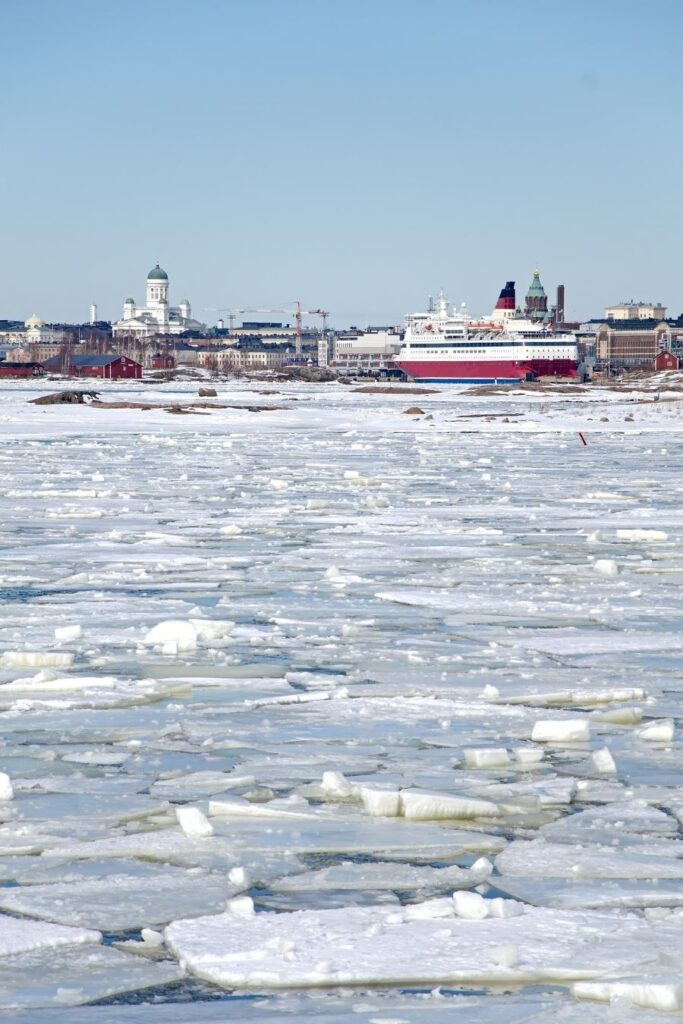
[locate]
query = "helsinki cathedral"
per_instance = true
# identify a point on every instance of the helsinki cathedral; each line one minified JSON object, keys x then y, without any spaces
{"x":157,"y":317}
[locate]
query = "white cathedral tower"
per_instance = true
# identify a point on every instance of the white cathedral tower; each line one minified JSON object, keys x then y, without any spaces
{"x":157,"y":317}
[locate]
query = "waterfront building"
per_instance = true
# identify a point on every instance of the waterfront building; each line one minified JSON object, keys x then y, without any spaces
{"x":156,"y":316}
{"x":361,"y":351}
{"x":38,"y":333}
{"x":636,"y":311}
{"x":238,"y":358}
{"x":634,"y":345}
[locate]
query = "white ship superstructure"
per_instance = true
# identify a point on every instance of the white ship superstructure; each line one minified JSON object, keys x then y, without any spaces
{"x":445,"y":346}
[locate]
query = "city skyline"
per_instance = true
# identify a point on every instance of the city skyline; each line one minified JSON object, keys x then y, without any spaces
{"x":358,"y":160}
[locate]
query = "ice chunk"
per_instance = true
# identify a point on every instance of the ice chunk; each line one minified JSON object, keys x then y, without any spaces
{"x":487,"y":757}
{"x":498,"y":907}
{"x":641,"y":535}
{"x":381,"y":802}
{"x":193,"y":822}
{"x":241,"y":906}
{"x":239,"y":877}
{"x":66,"y":633}
{"x":382,"y":875}
{"x":6,"y":788}
{"x":212,"y":629}
{"x":231,"y":530}
{"x":605,"y":567}
{"x":563,"y":730}
{"x":623,"y":816}
{"x":650,"y":992}
{"x":103,"y":758}
{"x":594,"y":894}
{"x":195,"y":785}
{"x":528,"y":755}
{"x":36,"y":659}
{"x":470,"y":905}
{"x":361,"y":946}
{"x":659,"y":731}
{"x":603,"y":761}
{"x":539,"y":859}
{"x":173,"y":631}
{"x":336,"y":786}
{"x":618,"y":716}
{"x":75,"y":975}
{"x":121,"y":902}
{"x":429,"y":910}
{"x":18,"y":935}
{"x":421,"y":805}
{"x":237,"y":807}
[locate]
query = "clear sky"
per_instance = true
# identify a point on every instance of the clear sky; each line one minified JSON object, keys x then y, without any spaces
{"x":355,"y":154}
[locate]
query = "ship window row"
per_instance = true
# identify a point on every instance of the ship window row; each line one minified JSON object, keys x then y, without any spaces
{"x":469,"y":345}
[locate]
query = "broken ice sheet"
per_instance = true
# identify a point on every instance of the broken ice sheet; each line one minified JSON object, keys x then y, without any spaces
{"x":412,"y":946}
{"x":369,"y":1007}
{"x":391,"y":876}
{"x":121,"y":902}
{"x":593,"y":893}
{"x":642,"y":860}
{"x":73,"y":975}
{"x":502,"y":594}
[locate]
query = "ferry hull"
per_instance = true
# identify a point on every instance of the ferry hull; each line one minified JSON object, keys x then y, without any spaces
{"x":485,"y":372}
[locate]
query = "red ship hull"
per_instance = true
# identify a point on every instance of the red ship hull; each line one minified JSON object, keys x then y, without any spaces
{"x":488,"y":372}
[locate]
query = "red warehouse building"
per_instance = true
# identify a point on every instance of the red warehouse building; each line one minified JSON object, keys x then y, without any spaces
{"x":666,"y":360}
{"x":20,"y":369}
{"x":112,"y":367}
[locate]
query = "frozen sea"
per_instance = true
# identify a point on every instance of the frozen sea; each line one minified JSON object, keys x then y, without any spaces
{"x":316,"y":710}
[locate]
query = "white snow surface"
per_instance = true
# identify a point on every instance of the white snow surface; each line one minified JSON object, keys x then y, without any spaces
{"x":356,"y":655}
{"x":364,"y":946}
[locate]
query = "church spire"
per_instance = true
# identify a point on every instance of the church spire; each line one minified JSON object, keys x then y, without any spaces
{"x":536,"y":303}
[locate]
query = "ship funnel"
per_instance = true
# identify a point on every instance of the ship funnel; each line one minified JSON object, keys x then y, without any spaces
{"x":506,"y":299}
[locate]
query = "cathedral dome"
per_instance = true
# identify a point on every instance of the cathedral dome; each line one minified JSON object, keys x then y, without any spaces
{"x":157,"y":274}
{"x":34,"y":321}
{"x":536,"y":289}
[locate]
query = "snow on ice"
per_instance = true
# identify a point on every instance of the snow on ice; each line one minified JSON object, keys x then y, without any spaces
{"x":330,"y":696}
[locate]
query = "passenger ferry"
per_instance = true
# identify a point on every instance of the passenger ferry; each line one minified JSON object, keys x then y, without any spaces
{"x":442,"y":346}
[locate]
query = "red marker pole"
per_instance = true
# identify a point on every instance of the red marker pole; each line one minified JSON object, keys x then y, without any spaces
{"x":583,"y":439}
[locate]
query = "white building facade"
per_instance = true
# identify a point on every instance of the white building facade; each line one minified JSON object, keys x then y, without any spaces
{"x":156,"y":317}
{"x":636,"y":311}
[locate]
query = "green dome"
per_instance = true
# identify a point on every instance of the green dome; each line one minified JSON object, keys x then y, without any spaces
{"x":536,"y":288}
{"x":157,"y":274}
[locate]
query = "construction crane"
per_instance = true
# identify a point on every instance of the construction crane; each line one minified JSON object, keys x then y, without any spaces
{"x":297,"y":312}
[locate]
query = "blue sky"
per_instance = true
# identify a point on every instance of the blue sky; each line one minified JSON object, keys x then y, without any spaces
{"x":357,"y":155}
